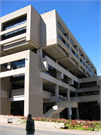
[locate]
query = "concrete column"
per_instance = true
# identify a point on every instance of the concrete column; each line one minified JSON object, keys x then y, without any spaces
{"x":39,"y":52}
{"x":69,"y":109}
{"x":77,"y":109}
{"x":44,"y":108}
{"x":68,"y":95}
{"x":59,"y":75}
{"x":26,"y":86}
{"x":57,"y":90}
{"x":70,"y":81}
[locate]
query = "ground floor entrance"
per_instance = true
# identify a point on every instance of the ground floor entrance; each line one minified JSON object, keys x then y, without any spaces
{"x":89,"y":111}
{"x":17,"y":108}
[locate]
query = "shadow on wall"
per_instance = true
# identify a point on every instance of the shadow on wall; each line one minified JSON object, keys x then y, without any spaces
{"x":42,"y":33}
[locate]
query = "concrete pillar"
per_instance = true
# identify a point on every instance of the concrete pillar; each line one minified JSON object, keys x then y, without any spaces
{"x":69,"y":109}
{"x":44,"y":108}
{"x":56,"y":116}
{"x":26,"y":86}
{"x":77,"y":109}
{"x":68,"y":95}
{"x":39,"y":52}
{"x":70,"y":81}
{"x":57,"y":90}
{"x":59,"y":75}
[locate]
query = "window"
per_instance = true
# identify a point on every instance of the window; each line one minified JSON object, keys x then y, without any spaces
{"x":14,"y":33}
{"x":17,"y":77}
{"x":60,"y":37}
{"x":14,"y":22}
{"x":62,"y":48}
{"x":82,"y":62}
{"x":80,"y":52}
{"x":90,"y":65}
{"x":86,"y":60}
{"x":72,"y":41}
{"x":4,"y":65}
{"x":51,"y":71}
{"x":92,"y":73}
{"x":74,"y":52}
{"x":18,"y":64}
{"x":61,"y":28}
{"x":88,"y":68}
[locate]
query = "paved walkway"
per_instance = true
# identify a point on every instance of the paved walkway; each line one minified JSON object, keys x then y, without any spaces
{"x":80,"y":132}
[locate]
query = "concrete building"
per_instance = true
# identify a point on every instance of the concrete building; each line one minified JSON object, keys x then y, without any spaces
{"x":44,"y":70}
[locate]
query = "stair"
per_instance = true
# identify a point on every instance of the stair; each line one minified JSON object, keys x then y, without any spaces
{"x":61,"y":105}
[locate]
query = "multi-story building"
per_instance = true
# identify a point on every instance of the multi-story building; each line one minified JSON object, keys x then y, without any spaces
{"x":44,"y":70}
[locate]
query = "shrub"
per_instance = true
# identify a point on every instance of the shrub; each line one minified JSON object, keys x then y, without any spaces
{"x":71,"y":124}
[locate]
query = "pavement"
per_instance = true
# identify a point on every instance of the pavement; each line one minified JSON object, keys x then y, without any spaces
{"x":79,"y":132}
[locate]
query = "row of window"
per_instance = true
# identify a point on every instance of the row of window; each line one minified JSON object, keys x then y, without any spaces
{"x":15,"y":64}
{"x":14,"y":33}
{"x":88,"y":93}
{"x":63,"y":31}
{"x":52,"y":72}
{"x":60,"y":37}
{"x":72,"y":42}
{"x":14,"y":22}
{"x":61,"y":28}
{"x":82,"y":61}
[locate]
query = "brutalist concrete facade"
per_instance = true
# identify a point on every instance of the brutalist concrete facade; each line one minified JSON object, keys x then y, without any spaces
{"x":44,"y":70}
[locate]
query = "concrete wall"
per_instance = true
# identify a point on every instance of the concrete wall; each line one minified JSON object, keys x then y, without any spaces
{"x":4,"y":94}
{"x":48,"y":29}
{"x":28,"y":40}
{"x":35,"y":27}
{"x":33,"y":87}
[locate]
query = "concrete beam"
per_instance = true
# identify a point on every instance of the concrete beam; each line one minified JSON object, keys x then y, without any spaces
{"x":61,"y":69}
{"x":12,"y":72}
{"x":88,"y":89}
{"x":90,"y":98}
{"x":55,"y":81}
{"x":14,"y":57}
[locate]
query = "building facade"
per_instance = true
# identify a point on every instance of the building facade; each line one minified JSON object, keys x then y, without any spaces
{"x":44,"y":70}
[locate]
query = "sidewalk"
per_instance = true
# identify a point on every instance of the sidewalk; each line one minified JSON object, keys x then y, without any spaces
{"x":79,"y":132}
